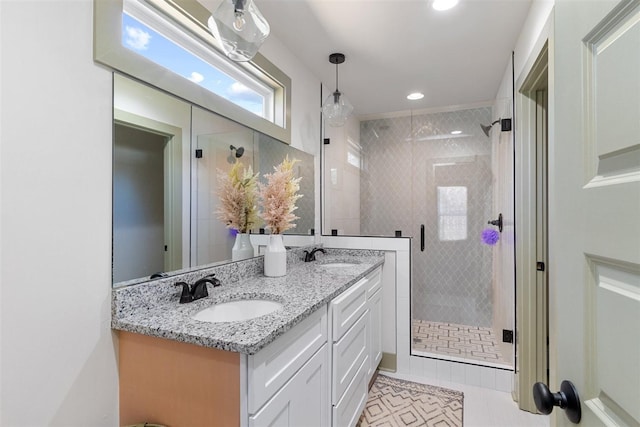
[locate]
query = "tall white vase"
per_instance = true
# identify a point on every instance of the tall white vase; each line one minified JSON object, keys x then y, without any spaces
{"x":275,"y":257}
{"x":242,"y":248}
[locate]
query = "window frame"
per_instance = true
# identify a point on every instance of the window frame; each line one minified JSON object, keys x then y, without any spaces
{"x":191,"y":16}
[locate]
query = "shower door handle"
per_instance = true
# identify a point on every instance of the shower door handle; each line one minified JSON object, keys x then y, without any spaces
{"x":421,"y":237}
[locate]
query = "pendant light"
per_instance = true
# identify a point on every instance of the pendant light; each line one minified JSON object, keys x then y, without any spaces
{"x":336,"y":108}
{"x":240,"y":27}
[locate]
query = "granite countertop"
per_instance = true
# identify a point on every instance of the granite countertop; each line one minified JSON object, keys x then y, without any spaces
{"x":305,"y":288}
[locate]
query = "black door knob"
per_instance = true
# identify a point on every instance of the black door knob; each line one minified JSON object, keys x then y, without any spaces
{"x":497,"y":222}
{"x":567,"y":398}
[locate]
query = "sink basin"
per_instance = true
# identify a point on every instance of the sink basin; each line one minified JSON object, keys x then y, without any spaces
{"x":238,"y":310}
{"x":337,"y":264}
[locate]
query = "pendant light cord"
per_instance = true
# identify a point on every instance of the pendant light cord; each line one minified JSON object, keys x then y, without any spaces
{"x":337,"y":78}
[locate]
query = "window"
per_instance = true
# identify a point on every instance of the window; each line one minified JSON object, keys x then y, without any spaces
{"x":452,"y":213}
{"x":176,"y":51}
{"x":168,"y":45}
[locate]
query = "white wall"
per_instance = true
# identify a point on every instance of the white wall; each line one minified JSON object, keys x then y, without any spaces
{"x":305,"y":106}
{"x":58,"y":356}
{"x":528,"y":46}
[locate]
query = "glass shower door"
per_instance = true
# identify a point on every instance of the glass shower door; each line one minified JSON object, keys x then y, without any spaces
{"x":452,"y":277}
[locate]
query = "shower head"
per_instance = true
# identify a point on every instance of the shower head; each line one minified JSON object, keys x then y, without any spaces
{"x":239,"y":151}
{"x":487,"y":128}
{"x":505,"y":126}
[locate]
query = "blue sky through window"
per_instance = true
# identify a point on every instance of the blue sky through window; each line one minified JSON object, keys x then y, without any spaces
{"x":157,"y":48}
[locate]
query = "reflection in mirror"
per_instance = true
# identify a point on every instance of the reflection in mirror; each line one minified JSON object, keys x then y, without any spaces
{"x":166,"y":156}
{"x":215,"y":136}
{"x":271,"y":153}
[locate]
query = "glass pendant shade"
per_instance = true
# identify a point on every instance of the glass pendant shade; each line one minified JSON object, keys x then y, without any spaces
{"x":336,"y":109}
{"x":240,"y":27}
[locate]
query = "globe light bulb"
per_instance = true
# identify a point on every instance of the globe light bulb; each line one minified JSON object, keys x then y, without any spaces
{"x":239,"y":27}
{"x":239,"y":22}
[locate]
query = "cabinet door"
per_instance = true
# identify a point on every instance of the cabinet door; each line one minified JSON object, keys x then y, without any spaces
{"x":302,"y":401}
{"x":274,"y":365}
{"x":347,"y":411}
{"x":375,"y":331}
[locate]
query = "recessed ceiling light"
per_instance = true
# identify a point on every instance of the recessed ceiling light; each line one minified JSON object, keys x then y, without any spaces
{"x":415,"y":96}
{"x":444,"y":4}
{"x":456,"y":132}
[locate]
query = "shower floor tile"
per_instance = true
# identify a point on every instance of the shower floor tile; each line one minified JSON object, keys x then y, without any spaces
{"x":450,"y":339}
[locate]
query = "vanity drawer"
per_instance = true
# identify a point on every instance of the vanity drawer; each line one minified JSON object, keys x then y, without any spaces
{"x":347,"y":308}
{"x":374,"y":282}
{"x":303,"y":401}
{"x":274,"y":365}
{"x":347,"y":412}
{"x":347,"y":356}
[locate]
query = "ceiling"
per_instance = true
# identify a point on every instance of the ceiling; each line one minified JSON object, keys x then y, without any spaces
{"x":395,"y":47}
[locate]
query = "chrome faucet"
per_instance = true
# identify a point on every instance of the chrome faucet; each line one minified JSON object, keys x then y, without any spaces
{"x":198,"y":290}
{"x":311,"y":256}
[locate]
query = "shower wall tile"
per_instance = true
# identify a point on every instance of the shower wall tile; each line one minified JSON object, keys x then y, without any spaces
{"x":405,"y":160}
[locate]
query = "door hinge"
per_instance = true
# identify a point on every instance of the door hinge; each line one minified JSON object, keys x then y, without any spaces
{"x":327,"y":141}
{"x":198,"y":153}
{"x":540,"y":266}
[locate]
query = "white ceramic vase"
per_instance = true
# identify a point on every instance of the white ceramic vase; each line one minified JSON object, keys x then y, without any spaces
{"x":275,"y":257}
{"x":242,"y":248}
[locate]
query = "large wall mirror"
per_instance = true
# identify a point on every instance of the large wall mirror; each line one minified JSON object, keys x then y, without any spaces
{"x":165,"y":160}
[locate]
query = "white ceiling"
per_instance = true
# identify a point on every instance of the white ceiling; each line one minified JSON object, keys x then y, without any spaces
{"x":394,"y":47}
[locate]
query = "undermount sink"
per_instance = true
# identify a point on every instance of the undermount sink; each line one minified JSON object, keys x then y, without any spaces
{"x":338,"y":264}
{"x":234,"y":311}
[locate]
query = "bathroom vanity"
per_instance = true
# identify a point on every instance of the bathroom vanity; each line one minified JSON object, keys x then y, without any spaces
{"x":308,"y":363}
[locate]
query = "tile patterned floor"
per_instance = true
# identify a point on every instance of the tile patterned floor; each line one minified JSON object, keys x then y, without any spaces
{"x":449,"y":339}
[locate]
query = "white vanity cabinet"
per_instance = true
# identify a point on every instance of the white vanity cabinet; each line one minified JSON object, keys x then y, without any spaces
{"x":355,"y":341}
{"x":288,"y":381}
{"x":317,"y":374}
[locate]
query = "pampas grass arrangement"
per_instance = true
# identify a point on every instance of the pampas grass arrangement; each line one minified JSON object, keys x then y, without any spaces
{"x":278,"y":196}
{"x":237,"y":193}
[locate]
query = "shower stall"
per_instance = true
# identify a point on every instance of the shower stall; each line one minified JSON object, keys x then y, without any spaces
{"x":432,"y":177}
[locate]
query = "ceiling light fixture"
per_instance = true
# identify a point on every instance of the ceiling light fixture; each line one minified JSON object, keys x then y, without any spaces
{"x":240,"y":27}
{"x":444,"y":4}
{"x":415,"y":96}
{"x":456,"y":132}
{"x":336,"y":108}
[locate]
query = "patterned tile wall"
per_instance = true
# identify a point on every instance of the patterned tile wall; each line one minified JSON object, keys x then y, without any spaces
{"x":405,"y":160}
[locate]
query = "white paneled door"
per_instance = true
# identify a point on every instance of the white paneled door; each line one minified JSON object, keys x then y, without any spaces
{"x":594,"y":208}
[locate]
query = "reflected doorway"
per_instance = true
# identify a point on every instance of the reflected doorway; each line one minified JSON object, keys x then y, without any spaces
{"x":142,"y":203}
